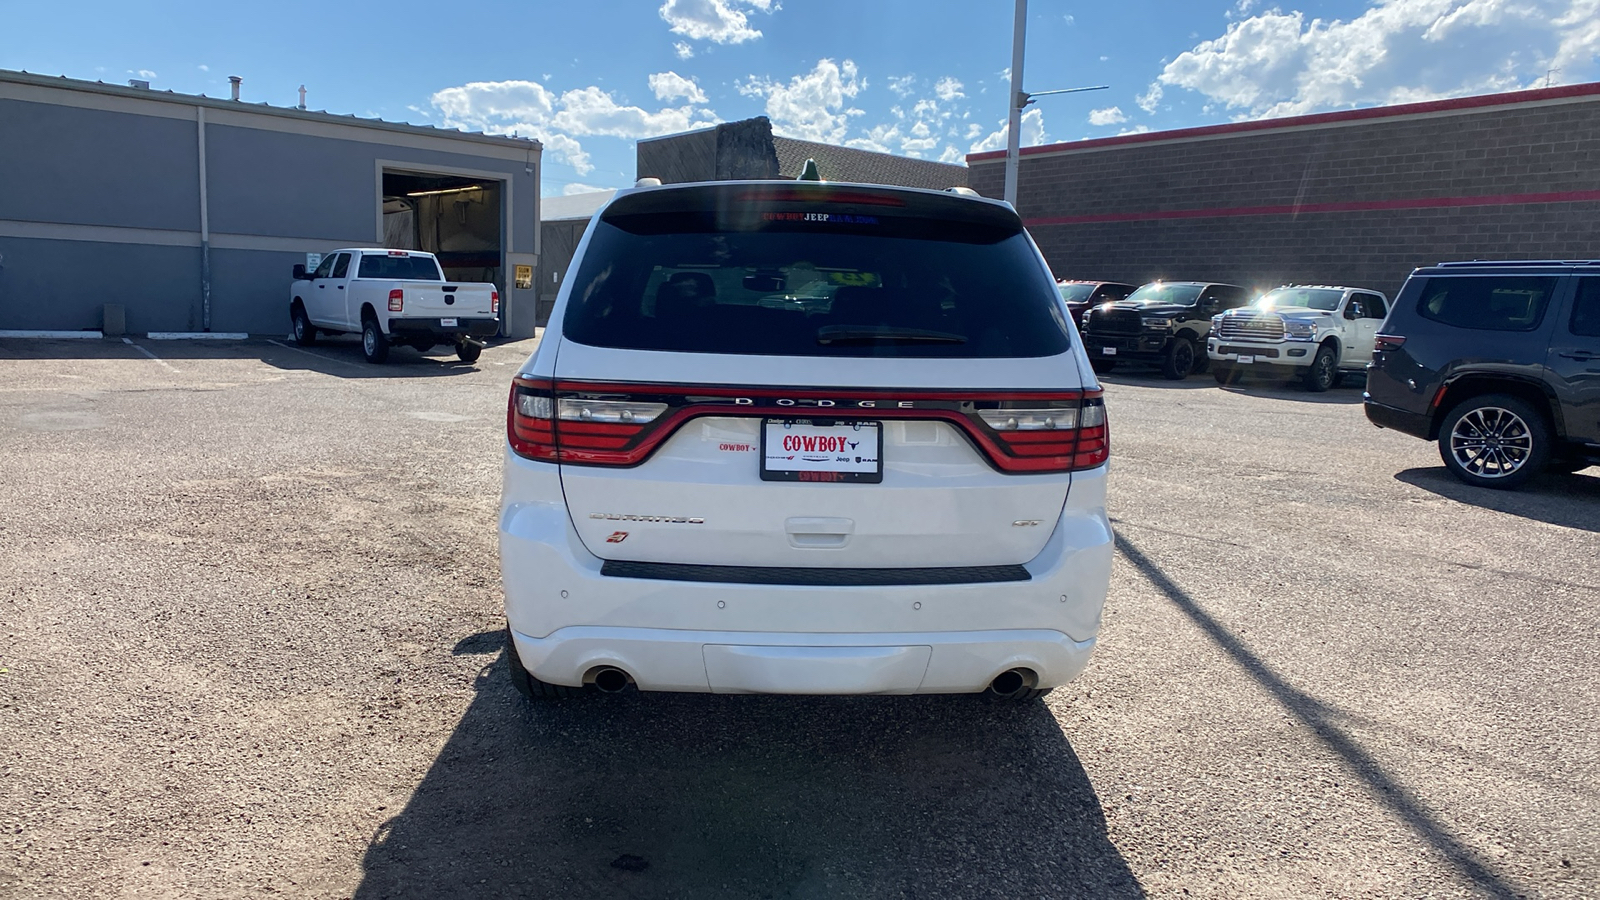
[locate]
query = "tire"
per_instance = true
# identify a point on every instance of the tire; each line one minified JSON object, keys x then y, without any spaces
{"x":305,"y":334}
{"x":1102,"y":366}
{"x":1178,"y":361}
{"x":529,"y":686}
{"x":467,"y":351}
{"x":374,"y":345}
{"x":1225,"y":374}
{"x":1494,"y":441}
{"x":1323,"y":373}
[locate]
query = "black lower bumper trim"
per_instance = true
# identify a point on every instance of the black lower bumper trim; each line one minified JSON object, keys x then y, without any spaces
{"x":433,"y":327}
{"x":799,"y":575}
{"x":1414,"y":424}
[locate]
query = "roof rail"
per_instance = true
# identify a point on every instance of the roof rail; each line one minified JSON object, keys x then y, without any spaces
{"x":1482,"y":263}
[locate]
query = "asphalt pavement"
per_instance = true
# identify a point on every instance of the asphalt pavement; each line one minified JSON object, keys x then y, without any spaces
{"x":250,"y":644}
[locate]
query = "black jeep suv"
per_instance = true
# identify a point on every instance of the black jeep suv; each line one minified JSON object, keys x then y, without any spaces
{"x":1165,"y":323}
{"x":1497,"y":361}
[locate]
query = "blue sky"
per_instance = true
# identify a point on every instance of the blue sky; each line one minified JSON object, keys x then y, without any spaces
{"x":915,"y":77}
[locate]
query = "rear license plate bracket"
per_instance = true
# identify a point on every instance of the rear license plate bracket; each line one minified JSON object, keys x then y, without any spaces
{"x":826,"y":451}
{"x":448,"y":323}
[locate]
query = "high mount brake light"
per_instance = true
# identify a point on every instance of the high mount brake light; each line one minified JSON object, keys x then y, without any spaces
{"x":397,"y":300}
{"x":594,"y":423}
{"x":818,"y":195}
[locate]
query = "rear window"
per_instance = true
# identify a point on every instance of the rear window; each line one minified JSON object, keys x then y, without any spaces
{"x":781,"y":279}
{"x":399,"y":268}
{"x":1489,"y":303}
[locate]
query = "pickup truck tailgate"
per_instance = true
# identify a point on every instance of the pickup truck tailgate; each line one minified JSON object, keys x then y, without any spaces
{"x":432,"y":298}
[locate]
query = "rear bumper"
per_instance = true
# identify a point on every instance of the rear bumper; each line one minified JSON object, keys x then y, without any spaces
{"x":1384,"y":416}
{"x":569,"y":619}
{"x":437,"y":328}
{"x":745,"y":662}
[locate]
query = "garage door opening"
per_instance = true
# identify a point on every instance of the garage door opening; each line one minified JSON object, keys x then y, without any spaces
{"x":457,"y":218}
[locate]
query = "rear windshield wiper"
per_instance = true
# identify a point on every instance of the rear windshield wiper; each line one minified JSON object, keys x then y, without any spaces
{"x":857,"y":334}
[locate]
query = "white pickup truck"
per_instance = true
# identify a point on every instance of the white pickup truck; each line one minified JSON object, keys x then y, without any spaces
{"x":1316,"y":333}
{"x":391,"y":297}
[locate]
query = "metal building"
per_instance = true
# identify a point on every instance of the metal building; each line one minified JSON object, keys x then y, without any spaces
{"x":186,"y":213}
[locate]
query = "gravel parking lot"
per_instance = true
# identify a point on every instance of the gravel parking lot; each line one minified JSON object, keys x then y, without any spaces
{"x":250,"y":643}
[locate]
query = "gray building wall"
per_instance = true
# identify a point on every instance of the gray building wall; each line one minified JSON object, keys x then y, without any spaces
{"x":747,"y":149}
{"x":100,"y":203}
{"x":1356,"y":198}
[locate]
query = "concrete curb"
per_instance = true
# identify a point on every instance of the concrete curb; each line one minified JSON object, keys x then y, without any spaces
{"x":198,"y":336}
{"x":52,"y":335}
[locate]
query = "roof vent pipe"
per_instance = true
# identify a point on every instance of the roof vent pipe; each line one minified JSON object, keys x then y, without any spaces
{"x":302,"y":96}
{"x":235,"y":81}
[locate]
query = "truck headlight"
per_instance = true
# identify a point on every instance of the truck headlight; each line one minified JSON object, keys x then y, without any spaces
{"x":1157,"y":323}
{"x":1300,"y":331}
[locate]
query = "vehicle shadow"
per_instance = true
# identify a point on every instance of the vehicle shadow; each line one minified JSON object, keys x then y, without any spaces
{"x":1323,"y":722}
{"x":1571,"y":501}
{"x":696,"y":795}
{"x":1349,"y":393}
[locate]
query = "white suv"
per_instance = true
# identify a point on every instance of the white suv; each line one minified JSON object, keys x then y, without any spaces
{"x":805,"y":438}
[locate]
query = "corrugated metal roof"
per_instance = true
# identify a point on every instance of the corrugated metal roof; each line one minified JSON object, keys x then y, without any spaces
{"x":62,"y":82}
{"x":573,"y":206}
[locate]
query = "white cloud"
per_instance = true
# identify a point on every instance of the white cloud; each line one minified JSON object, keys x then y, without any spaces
{"x":1149,"y":100}
{"x":1278,"y":63}
{"x":1032,"y":133}
{"x":813,"y":106}
{"x":590,"y":110}
{"x":973,"y":130}
{"x":1111,"y":115}
{"x":951,"y":155}
{"x":1069,"y":19}
{"x":718,"y":21}
{"x":948,"y":89}
{"x":205,"y":68}
{"x":580,"y":188}
{"x":567,"y":149}
{"x":671,"y":85}
{"x":902,"y":84}
{"x":879,"y":138}
{"x":146,"y":74}
{"x":1137,"y":129}
{"x":683,"y":49}
{"x":532,"y":110}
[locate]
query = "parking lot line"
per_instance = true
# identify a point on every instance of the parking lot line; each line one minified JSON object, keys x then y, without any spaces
{"x":168,"y":366}
{"x":342,"y":362}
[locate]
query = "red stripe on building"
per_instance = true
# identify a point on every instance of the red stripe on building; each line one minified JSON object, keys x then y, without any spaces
{"x":1308,"y":208}
{"x":1350,"y":115}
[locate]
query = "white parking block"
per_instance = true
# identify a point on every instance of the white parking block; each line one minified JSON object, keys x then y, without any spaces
{"x":51,"y":335}
{"x":197,"y":336}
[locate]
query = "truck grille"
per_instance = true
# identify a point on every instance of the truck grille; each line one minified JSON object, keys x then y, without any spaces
{"x":1115,"y":321}
{"x":1251,"y":328}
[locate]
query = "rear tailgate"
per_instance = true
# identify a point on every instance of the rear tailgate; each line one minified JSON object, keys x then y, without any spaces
{"x":813,"y":376}
{"x":425,"y":299}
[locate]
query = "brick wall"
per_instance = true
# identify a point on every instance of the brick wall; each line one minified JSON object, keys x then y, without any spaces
{"x":1355,"y":198}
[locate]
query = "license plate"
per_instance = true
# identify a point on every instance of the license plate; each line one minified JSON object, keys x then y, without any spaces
{"x":447,"y":323}
{"x":1247,"y":359}
{"x":1108,"y":351}
{"x":821,"y":450}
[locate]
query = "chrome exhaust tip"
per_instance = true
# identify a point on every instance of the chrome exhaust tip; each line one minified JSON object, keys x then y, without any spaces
{"x":611,"y":680}
{"x":1013,"y":683}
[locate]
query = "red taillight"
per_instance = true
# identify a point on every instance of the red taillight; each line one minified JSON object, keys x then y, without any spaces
{"x":397,"y":300}
{"x":1388,"y":342}
{"x":531,"y":419}
{"x":1066,"y":437}
{"x":541,"y":425}
{"x":494,"y":302}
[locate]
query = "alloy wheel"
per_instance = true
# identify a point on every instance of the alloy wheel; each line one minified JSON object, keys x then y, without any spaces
{"x":1491,"y":442}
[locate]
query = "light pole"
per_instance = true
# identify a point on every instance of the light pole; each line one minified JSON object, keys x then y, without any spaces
{"x":1021,"y":98}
